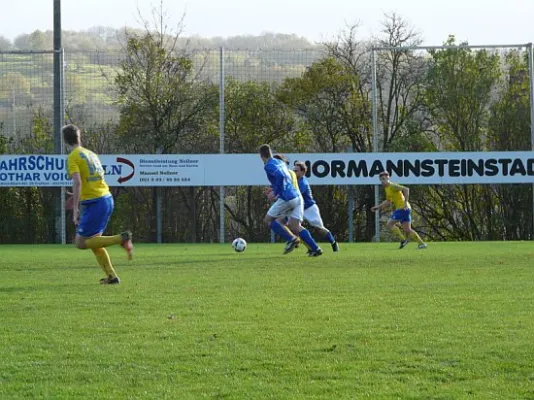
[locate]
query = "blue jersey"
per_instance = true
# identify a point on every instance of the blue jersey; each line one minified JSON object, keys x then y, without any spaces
{"x":280,"y":179}
{"x":306,"y":192}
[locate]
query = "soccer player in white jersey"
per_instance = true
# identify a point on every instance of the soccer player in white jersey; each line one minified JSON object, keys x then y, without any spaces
{"x":312,"y":215}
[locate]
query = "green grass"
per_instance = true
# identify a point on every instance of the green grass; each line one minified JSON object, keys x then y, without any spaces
{"x":454,"y":321}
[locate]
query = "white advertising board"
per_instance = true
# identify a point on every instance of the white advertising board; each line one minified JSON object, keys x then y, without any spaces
{"x":247,"y":169}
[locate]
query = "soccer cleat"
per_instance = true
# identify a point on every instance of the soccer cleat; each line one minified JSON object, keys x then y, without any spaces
{"x":422,"y":246}
{"x":298,"y":243}
{"x":403,"y":243}
{"x":127,"y":244}
{"x":110,"y":280}
{"x":335,"y":247}
{"x":290,"y":246}
{"x":316,"y":253}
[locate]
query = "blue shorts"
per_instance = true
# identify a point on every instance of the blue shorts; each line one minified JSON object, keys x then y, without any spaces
{"x":402,"y":215}
{"x":95,"y":214}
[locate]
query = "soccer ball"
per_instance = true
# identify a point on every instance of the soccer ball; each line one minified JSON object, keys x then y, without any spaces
{"x":239,"y":245}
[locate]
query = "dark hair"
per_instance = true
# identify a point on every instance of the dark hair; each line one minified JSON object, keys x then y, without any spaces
{"x":301,"y":165}
{"x":265,"y":151}
{"x":71,"y":134}
{"x":282,"y":157}
{"x":383,"y":173}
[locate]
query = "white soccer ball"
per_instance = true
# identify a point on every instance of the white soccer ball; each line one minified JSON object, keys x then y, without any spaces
{"x":239,"y":245}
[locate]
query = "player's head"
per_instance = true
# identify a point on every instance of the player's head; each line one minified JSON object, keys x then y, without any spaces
{"x":384,"y":178}
{"x":265,"y":152}
{"x":71,"y":134}
{"x":282,"y":157}
{"x":300,"y":168}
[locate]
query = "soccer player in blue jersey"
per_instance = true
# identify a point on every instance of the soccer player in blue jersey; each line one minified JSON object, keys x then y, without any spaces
{"x":398,"y":195}
{"x":91,"y":191}
{"x":289,"y":203}
{"x":311,"y":211}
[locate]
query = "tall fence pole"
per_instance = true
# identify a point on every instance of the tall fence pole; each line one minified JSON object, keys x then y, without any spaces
{"x":350,"y":211}
{"x":221,"y":142}
{"x":159,"y":209}
{"x":350,"y":206}
{"x":375,"y":134}
{"x":530,"y":51}
{"x":59,"y":120}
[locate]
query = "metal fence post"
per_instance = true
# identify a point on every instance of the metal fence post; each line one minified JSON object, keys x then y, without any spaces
{"x":159,"y":208}
{"x":375,"y":134}
{"x":350,"y":205}
{"x":59,"y":120}
{"x":530,"y":51}
{"x":63,"y":217}
{"x":221,"y":142}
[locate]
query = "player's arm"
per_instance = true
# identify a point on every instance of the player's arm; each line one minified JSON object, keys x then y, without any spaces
{"x":76,"y":192}
{"x":269,"y":193}
{"x":385,"y":203}
{"x":405,"y":191}
{"x":73,"y":172}
{"x":272,"y":176}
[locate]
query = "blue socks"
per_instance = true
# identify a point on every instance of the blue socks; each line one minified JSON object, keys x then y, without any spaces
{"x":330,"y":238}
{"x":277,"y":228}
{"x":307,"y":238}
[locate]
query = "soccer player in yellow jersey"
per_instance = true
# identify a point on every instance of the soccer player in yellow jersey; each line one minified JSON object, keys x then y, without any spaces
{"x":89,"y":189}
{"x":398,"y":195}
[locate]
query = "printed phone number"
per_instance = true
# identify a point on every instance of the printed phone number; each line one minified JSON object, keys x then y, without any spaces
{"x":164,"y":179}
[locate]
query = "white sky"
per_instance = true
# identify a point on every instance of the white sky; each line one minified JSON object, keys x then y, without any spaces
{"x":479,"y":22}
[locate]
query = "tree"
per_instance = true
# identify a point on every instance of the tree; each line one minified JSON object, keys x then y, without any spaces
{"x":328,"y":100}
{"x":14,"y":89}
{"x":161,"y":103}
{"x":459,"y":93}
{"x":509,"y":130}
{"x":22,"y":42}
{"x":163,"y":106}
{"x":400,"y":74}
{"x":37,"y":40}
{"x":253,"y":116}
{"x":5,"y":44}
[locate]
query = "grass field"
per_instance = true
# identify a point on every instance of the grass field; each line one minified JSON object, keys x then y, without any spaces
{"x":454,"y":321}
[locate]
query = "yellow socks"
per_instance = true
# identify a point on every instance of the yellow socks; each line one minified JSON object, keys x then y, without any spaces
{"x":98,"y":242}
{"x":397,"y":232}
{"x":104,"y":261}
{"x":415,"y":235}
{"x":286,"y":228}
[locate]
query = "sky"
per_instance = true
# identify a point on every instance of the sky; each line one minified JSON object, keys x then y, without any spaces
{"x":478,"y":22}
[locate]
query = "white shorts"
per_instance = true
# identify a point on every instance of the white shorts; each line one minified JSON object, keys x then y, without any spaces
{"x":293,"y":208}
{"x":313,"y":217}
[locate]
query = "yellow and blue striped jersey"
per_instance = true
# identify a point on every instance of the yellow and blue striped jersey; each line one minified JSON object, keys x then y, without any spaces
{"x":91,"y":172}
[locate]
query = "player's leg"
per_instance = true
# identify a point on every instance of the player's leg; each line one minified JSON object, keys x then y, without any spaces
{"x":283,"y":221}
{"x":93,"y":222}
{"x":102,"y":256}
{"x":407,"y":226}
{"x":296,"y":217}
{"x":313,"y":216}
{"x":276,"y":211}
{"x":392,"y":225}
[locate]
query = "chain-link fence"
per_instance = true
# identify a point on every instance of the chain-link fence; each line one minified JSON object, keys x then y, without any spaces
{"x":26,"y":80}
{"x":91,"y":101}
{"x":26,"y":88}
{"x":344,"y":98}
